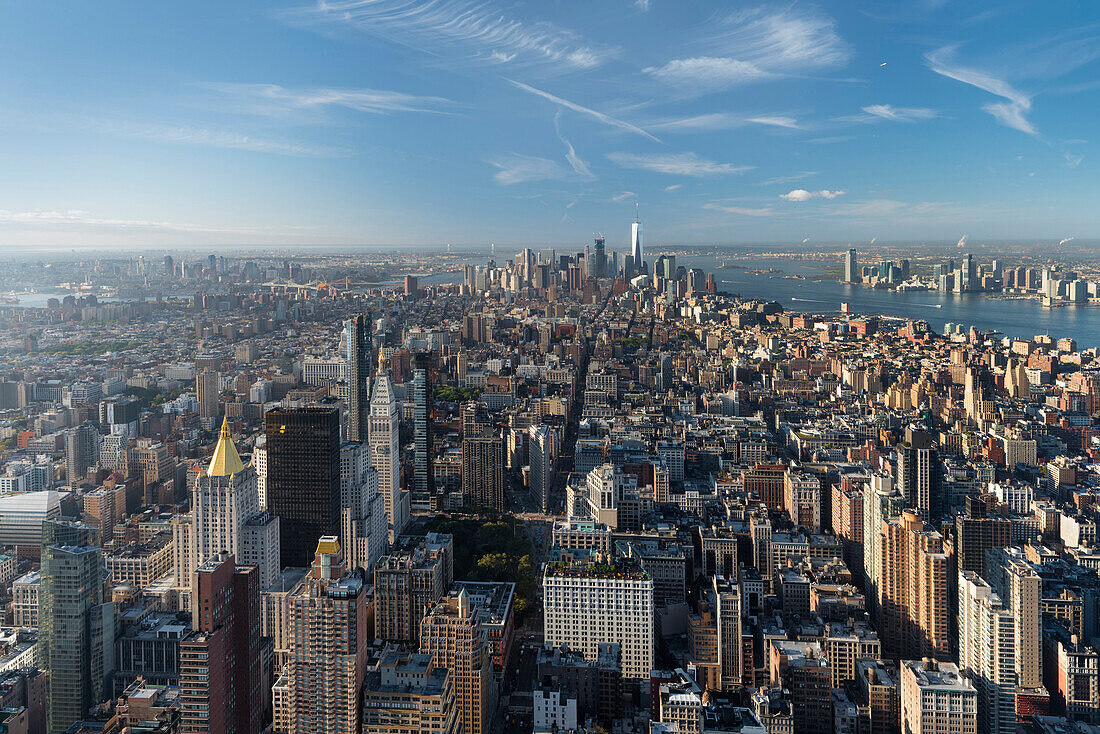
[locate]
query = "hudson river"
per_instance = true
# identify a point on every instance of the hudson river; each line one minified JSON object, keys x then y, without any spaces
{"x":1022,"y":318}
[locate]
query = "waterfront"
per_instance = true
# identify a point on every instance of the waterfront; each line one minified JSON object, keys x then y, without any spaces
{"x":1023,"y":318}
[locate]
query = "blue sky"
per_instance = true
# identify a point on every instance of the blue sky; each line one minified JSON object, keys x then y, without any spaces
{"x":411,"y":122}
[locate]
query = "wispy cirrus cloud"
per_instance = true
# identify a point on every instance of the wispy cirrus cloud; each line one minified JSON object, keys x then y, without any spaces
{"x":623,"y":196}
{"x":477,"y":30}
{"x":741,"y":210}
{"x":515,"y":169}
{"x":788,"y":179}
{"x":1010,"y":113}
{"x":800,"y":195}
{"x":184,"y":134}
{"x":724,"y":121}
{"x":892,"y":211}
{"x":80,"y":219}
{"x":889,"y":113}
{"x":757,"y":44}
{"x":588,"y":112}
{"x":578,"y":164}
{"x":275,"y":99}
{"x":677,"y":164}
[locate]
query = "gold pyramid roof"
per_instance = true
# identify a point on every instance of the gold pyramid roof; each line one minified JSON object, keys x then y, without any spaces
{"x":226,"y":461}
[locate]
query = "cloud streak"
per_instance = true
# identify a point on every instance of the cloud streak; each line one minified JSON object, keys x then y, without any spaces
{"x":273,"y":98}
{"x":69,"y":219}
{"x":788,"y":179}
{"x":740,"y":210}
{"x":676,"y":164}
{"x":800,"y":195}
{"x":598,"y":116}
{"x":1010,"y":113}
{"x":724,"y":121}
{"x":477,"y":29}
{"x":579,"y":166}
{"x":889,"y":113}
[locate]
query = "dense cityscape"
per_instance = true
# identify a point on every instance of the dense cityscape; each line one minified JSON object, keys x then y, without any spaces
{"x":553,"y":491}
{"x":526,"y":367}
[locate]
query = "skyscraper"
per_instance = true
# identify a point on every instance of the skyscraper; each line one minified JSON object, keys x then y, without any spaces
{"x":303,"y":477}
{"x":423,"y":484}
{"x":357,"y":337}
{"x":330,"y":635}
{"x":452,"y":634}
{"x":224,"y":499}
{"x":364,"y":526}
{"x":220,"y":664}
{"x":542,"y":450}
{"x":881,"y":502}
{"x":985,"y":626}
{"x":851,"y":267}
{"x":81,"y":451}
{"x":208,"y":390}
{"x":976,"y":532}
{"x":914,"y":582}
{"x":408,"y":583}
{"x":76,"y":622}
{"x":601,"y":257}
{"x":636,"y":243}
{"x":385,"y":453}
{"x":727,"y":605}
{"x":918,"y":474}
{"x":482,"y":458}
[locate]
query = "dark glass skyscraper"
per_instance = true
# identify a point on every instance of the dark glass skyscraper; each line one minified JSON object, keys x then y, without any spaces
{"x":76,"y":622}
{"x":303,"y":478}
{"x":357,"y":336}
{"x":423,"y":485}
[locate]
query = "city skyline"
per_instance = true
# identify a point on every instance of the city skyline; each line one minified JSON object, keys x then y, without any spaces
{"x":336,"y":123}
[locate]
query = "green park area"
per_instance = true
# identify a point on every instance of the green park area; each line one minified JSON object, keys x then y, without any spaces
{"x":492,"y":550}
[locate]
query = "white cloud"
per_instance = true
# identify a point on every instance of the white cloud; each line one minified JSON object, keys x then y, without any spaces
{"x":599,"y":116}
{"x":900,"y":114}
{"x":775,"y":121}
{"x":741,"y":210}
{"x":677,"y":164}
{"x":1011,"y":113}
{"x":757,"y":44}
{"x":272,"y":98}
{"x":673,"y":187}
{"x":515,"y":168}
{"x":468,"y":25}
{"x":800,"y":195}
{"x":889,"y":113}
{"x":707,"y":71}
{"x":642,"y":5}
{"x":1072,"y":159}
{"x":623,"y":196}
{"x":579,"y":165}
{"x":724,"y":121}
